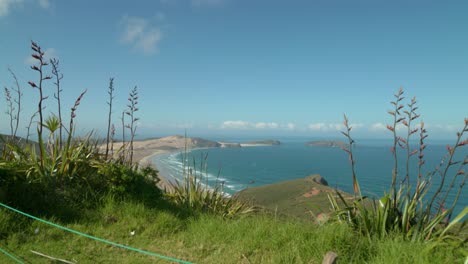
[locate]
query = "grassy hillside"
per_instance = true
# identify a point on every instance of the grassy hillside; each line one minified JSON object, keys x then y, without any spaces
{"x":72,"y":182}
{"x":304,"y":198}
{"x":204,"y":238}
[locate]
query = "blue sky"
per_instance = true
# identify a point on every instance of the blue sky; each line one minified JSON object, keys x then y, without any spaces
{"x":227,"y":67}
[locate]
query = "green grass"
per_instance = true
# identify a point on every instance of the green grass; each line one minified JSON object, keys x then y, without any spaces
{"x":287,"y":197}
{"x":203,"y":239}
{"x":71,"y":183}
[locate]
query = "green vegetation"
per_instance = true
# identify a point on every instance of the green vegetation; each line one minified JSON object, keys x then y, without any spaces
{"x":195,"y":198}
{"x":302,"y":198}
{"x":403,"y":210}
{"x":73,"y":182}
{"x":205,"y":239}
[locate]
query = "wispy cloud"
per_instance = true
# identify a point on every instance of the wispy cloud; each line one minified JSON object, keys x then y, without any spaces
{"x":44,"y":4}
{"x":263,"y":125}
{"x":378,"y":127}
{"x":291,"y":126}
{"x":208,"y":2}
{"x":239,"y":124}
{"x":141,"y":34}
{"x":48,"y":54}
{"x":7,"y":5}
{"x":325,"y":127}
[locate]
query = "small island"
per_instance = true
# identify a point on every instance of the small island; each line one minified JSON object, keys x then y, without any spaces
{"x":269,"y":142}
{"x":229,"y":145}
{"x":327,"y":143}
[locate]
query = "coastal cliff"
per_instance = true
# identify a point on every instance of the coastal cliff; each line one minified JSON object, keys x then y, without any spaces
{"x":297,"y":197}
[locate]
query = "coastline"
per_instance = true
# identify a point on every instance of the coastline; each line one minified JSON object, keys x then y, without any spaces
{"x":166,"y":181}
{"x":144,"y":151}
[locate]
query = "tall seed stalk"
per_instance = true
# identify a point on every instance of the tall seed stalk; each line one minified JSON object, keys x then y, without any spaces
{"x":112,"y":140}
{"x":411,"y":115}
{"x":451,"y":150}
{"x":10,"y":109}
{"x":422,"y":146}
{"x":122,"y":148}
{"x":39,"y":56}
{"x":58,"y":76}
{"x":28,"y":128}
{"x":109,"y":119}
{"x":132,"y":108}
{"x":349,"y":149}
{"x":17,"y":101}
{"x":396,"y":120}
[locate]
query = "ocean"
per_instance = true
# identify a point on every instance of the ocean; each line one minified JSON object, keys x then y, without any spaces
{"x":246,"y":167}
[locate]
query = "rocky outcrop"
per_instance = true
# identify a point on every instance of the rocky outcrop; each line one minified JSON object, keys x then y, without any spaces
{"x":203,"y":143}
{"x":317,"y":179}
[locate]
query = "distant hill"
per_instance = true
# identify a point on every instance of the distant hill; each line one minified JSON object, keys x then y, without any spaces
{"x":6,"y":138}
{"x":269,"y":142}
{"x":298,"y":197}
{"x":204,"y":143}
{"x":327,"y":143}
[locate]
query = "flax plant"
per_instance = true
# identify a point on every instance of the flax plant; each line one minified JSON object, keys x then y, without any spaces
{"x":196,"y":197}
{"x":132,"y":109}
{"x":15,"y":115}
{"x":122,"y":150}
{"x":110,"y":129}
{"x":58,"y":77}
{"x":112,"y":135}
{"x":10,"y":108}
{"x":403,"y":210}
{"x":38,"y":55}
{"x":28,"y":128}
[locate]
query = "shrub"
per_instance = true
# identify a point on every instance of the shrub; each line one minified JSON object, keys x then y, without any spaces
{"x":404,"y":210}
{"x":62,"y":173}
{"x":195,"y":197}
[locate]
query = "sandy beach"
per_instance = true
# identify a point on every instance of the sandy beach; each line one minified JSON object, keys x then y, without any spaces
{"x":145,"y":150}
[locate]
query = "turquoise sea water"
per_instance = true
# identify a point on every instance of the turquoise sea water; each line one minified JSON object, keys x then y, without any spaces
{"x":240,"y":168}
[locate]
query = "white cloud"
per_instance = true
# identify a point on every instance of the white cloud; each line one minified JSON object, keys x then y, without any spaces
{"x":239,"y":124}
{"x":141,"y":34}
{"x":325,"y":127}
{"x":291,"y":126}
{"x":262,"y":125}
{"x":317,"y":126}
{"x":6,"y":5}
{"x":134,"y":28}
{"x":149,"y":41}
{"x":378,"y":127}
{"x":207,"y":2}
{"x":48,"y":54}
{"x":448,"y":128}
{"x":356,"y":125}
{"x":44,"y":4}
